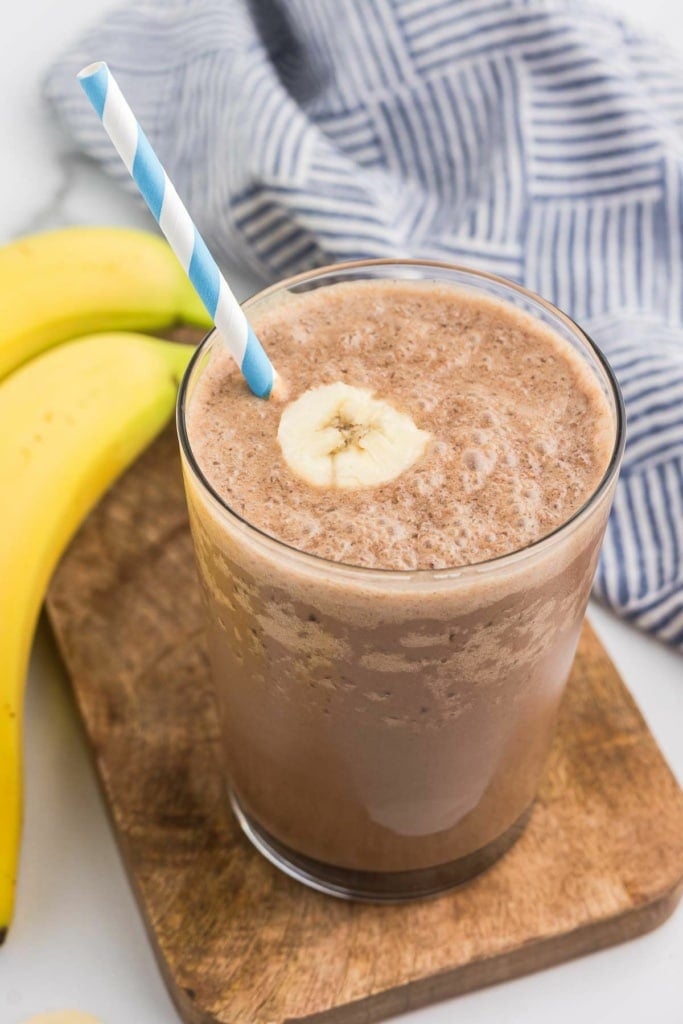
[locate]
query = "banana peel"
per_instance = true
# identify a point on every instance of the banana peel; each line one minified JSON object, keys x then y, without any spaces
{"x":71,"y":420}
{"x":67,"y":283}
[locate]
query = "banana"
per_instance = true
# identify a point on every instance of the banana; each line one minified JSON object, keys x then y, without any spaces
{"x":70,"y":282}
{"x":70,"y":421}
{"x":341,"y":436}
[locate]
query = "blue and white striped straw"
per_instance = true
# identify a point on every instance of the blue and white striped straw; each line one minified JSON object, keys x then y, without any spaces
{"x":134,"y":148}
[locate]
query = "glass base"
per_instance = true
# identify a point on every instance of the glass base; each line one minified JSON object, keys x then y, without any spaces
{"x":376,"y":886}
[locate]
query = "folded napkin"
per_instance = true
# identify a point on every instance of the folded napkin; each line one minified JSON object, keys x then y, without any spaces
{"x":539,"y":139}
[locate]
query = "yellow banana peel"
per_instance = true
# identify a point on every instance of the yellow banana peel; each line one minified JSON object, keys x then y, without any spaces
{"x":70,"y":421}
{"x":73,"y":281}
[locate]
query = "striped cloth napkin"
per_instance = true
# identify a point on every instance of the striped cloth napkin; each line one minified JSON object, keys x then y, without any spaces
{"x":539,"y":139}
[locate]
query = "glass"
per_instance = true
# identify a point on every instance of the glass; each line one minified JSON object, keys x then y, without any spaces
{"x":384,"y":732}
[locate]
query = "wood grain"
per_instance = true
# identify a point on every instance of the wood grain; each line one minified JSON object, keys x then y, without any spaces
{"x":240,"y":943}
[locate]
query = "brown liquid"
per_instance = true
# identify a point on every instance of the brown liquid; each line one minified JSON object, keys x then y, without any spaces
{"x":383,"y":722}
{"x":521,"y":431}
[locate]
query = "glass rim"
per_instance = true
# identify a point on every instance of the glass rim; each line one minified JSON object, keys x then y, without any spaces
{"x":510,"y":558}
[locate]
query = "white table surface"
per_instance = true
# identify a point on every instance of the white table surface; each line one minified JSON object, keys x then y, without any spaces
{"x":77,"y":940}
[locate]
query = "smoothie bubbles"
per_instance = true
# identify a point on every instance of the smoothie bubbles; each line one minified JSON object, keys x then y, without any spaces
{"x":396,"y":563}
{"x":396,"y":549}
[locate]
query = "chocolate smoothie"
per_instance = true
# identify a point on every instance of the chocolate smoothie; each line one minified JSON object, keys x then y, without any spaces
{"x":387,"y":682}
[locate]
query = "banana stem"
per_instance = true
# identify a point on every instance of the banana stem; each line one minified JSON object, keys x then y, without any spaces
{"x":178,"y":356}
{"x":192,"y":309}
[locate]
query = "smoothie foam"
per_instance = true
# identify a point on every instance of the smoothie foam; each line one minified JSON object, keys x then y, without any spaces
{"x":521,"y":430}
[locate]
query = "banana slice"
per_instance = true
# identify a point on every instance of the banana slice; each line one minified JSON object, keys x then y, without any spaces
{"x":340,"y":436}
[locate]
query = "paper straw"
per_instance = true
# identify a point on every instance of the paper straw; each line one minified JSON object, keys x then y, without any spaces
{"x":144,"y":166}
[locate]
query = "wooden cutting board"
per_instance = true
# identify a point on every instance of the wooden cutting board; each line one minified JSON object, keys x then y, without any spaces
{"x":238,"y":942}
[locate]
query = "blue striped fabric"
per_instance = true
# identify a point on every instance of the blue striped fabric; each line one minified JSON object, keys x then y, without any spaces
{"x":539,"y":139}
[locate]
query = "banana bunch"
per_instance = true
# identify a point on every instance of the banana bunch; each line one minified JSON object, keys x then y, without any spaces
{"x":63,"y":284}
{"x":71,"y":420}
